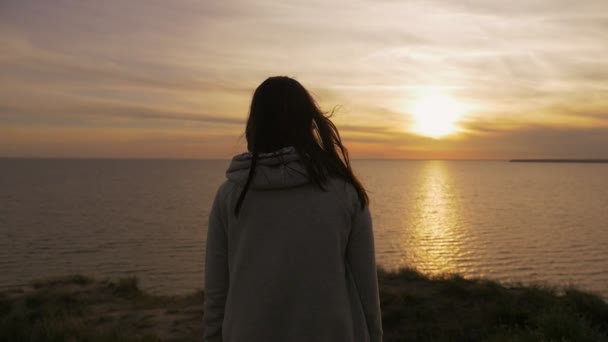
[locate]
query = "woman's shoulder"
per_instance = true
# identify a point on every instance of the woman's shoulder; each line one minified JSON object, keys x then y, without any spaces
{"x":346,"y":192}
{"x":226,"y":189}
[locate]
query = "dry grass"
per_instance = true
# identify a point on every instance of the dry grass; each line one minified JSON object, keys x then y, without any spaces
{"x":414,"y":308}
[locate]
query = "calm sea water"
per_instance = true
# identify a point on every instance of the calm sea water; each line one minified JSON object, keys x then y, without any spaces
{"x":506,"y":221}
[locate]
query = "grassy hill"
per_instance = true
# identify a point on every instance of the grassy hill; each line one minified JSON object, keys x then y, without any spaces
{"x":415,"y":307}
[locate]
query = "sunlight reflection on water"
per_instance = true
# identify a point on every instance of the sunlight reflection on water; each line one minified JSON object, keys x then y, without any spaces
{"x":433,"y":239}
{"x":511,"y":222}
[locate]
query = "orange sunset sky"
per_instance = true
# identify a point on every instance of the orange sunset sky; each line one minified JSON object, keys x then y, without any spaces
{"x":412,"y":79}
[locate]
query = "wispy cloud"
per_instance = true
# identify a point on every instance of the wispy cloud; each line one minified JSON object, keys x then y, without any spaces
{"x":529,"y":68}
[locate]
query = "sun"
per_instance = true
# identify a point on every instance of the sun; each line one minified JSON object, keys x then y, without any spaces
{"x":436,"y":115}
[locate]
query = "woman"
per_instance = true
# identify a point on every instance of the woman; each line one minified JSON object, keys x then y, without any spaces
{"x":290,"y":245}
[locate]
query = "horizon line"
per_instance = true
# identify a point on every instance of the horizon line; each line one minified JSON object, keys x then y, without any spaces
{"x":230,"y":158}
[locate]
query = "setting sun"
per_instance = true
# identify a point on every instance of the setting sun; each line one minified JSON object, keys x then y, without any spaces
{"x":436,"y":115}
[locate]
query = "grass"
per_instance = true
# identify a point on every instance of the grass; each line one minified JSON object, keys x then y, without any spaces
{"x":415,"y":307}
{"x":451,"y":308}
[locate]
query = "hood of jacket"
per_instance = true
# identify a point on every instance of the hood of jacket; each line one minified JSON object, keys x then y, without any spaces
{"x":275,"y":170}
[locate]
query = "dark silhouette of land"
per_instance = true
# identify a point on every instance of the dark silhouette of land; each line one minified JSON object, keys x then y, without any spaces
{"x":588,"y":161}
{"x":415,"y":307}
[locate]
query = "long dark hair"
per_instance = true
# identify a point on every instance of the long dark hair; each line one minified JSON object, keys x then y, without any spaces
{"x":283,"y":113}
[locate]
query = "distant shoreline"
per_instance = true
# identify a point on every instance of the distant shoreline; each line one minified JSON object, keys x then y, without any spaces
{"x":586,"y":161}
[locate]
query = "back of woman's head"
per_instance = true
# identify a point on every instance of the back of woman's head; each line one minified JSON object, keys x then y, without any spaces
{"x":283,"y":113}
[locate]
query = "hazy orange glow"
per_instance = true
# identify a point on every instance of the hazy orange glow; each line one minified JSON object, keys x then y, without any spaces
{"x":436,"y":114}
{"x":479,"y":79}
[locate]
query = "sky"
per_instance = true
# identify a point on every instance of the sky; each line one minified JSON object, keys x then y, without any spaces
{"x":174,"y":79}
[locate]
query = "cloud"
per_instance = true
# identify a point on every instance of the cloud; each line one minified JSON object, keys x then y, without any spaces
{"x":81,"y":142}
{"x":527,"y":67}
{"x":112,"y":114}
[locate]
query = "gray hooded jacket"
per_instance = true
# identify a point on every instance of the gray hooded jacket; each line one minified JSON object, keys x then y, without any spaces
{"x":296,"y":264}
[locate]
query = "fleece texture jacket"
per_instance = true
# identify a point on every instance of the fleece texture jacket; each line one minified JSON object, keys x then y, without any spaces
{"x":296,"y":264}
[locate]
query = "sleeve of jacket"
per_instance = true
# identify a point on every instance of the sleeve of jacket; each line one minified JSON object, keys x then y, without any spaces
{"x":216,"y":273}
{"x":361,"y":256}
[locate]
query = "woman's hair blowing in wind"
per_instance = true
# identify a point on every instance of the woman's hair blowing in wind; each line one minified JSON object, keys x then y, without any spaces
{"x":283,"y":113}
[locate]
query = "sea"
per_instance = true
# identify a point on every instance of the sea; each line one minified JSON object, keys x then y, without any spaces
{"x":512,"y":222}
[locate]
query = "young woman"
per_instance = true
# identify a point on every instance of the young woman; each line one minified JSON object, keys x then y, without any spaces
{"x":290,"y":245}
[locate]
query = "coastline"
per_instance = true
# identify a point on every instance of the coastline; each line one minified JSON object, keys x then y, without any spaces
{"x":574,"y":161}
{"x":415,"y":307}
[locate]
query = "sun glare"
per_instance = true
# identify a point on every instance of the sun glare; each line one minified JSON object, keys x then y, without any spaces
{"x":436,"y":115}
